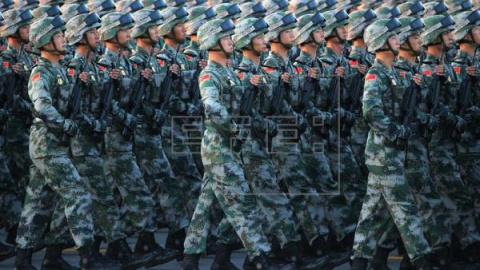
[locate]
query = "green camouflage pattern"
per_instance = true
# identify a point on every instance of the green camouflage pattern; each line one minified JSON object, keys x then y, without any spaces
{"x":169,"y":20}
{"x":10,"y":24}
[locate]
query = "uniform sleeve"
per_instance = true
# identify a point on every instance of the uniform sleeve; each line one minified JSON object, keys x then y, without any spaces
{"x":215,"y":111}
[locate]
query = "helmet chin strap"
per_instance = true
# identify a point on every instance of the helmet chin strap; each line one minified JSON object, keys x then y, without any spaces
{"x":55,"y":49}
{"x":227,"y":54}
{"x":250,"y":47}
{"x":19,"y":37}
{"x":410,"y":49}
{"x":279,"y":41}
{"x":389,"y":49}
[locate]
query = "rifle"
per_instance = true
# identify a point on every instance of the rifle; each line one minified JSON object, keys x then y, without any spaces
{"x":137,"y":97}
{"x":10,"y":88}
{"x":434,"y":99}
{"x":464,"y":98}
{"x":308,"y":86}
{"x":196,"y":86}
{"x":276,"y":103}
{"x":246,"y":105}
{"x":75,"y":100}
{"x":166,"y":87}
{"x":333,"y":95}
{"x":107,"y":96}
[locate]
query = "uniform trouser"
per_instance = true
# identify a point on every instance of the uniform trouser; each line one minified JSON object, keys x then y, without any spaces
{"x":105,"y":209}
{"x":470,"y":171}
{"x":10,"y":203}
{"x":389,"y":197}
{"x":446,"y":175}
{"x":55,"y":175}
{"x":132,"y":194}
{"x":161,"y":181}
{"x":183,"y":164}
{"x":19,"y":161}
{"x":227,"y":184}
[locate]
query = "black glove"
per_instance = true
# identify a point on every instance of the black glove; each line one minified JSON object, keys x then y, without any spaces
{"x":159,"y":116}
{"x":70,"y":127}
{"x":432,"y":123}
{"x":460,"y":124}
{"x":405,"y":131}
{"x":302,"y":125}
{"x":350,"y":118}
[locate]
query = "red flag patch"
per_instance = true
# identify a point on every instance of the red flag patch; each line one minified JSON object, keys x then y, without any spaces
{"x":189,"y":57}
{"x":427,"y":72}
{"x":35,"y":77}
{"x":135,"y":65}
{"x":102,"y":68}
{"x":6,"y":64}
{"x":71,"y":72}
{"x":353,"y":63}
{"x":457,"y":69}
{"x":371,"y":77}
{"x":269,"y":69}
{"x":205,"y":77}
{"x":241,"y":75}
{"x":298,"y":70}
{"x":161,"y":62}
{"x":402,"y":74}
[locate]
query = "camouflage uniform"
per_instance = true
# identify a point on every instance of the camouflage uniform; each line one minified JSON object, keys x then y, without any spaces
{"x":388,"y":193}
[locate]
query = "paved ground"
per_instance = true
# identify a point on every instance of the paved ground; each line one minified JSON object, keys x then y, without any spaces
{"x":238,"y":257}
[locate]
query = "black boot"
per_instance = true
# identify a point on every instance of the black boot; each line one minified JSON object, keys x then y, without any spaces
{"x":24,"y":260}
{"x":264,"y":263}
{"x":146,"y":244}
{"x":359,"y":264}
{"x":336,"y":256}
{"x":293,"y":253}
{"x":175,"y":241}
{"x":422,"y":263}
{"x":89,"y":261}
{"x":380,"y":260}
{"x":119,"y":250}
{"x":53,"y":260}
{"x":222,"y":258}
{"x":190,"y":262}
{"x":6,"y":252}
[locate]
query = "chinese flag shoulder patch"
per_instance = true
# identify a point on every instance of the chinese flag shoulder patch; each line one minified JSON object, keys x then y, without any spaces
{"x":102,"y":68}
{"x":371,"y":77}
{"x":135,"y":65}
{"x":298,"y":70}
{"x":71,"y":72}
{"x":457,"y":69}
{"x":427,"y":72}
{"x":35,"y":76}
{"x":204,"y":77}
{"x":353,"y":63}
{"x":189,"y":57}
{"x":402,"y":74}
{"x":269,"y":69}
{"x":6,"y":64}
{"x":241,"y":75}
{"x":161,"y":62}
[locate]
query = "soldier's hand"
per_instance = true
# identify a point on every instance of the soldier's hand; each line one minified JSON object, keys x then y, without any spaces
{"x":362,"y":69}
{"x":159,"y":117}
{"x":440,"y":70}
{"x":156,"y":50}
{"x":70,"y":127}
{"x":460,"y":124}
{"x":175,"y":69}
{"x":256,"y":80}
{"x":83,"y":77}
{"x":99,"y":126}
{"x":432,"y":123}
{"x":146,"y":73}
{"x":340,"y":71}
{"x":114,"y":73}
{"x":472,"y":71}
{"x":313,"y":73}
{"x":130,"y":121}
{"x":418,"y":78}
{"x":404,"y":132}
{"x":203,"y":63}
{"x":18,"y":67}
{"x":286,"y":77}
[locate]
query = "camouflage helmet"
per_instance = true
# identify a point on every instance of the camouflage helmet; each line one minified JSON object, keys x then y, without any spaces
{"x":43,"y":30}
{"x":101,"y":7}
{"x":26,"y":4}
{"x":46,"y":11}
{"x":212,"y":31}
{"x":358,"y":21}
{"x":14,"y":19}
{"x":214,"y":3}
{"x":1,"y":19}
{"x":334,"y":20}
{"x":176,"y":3}
{"x":457,"y":6}
{"x":302,"y":7}
{"x":435,"y":8}
{"x":5,"y":5}
{"x":378,"y":33}
{"x":228,"y":11}
{"x":326,"y":5}
{"x":69,"y":2}
{"x":307,"y":24}
{"x":198,"y":16}
{"x":79,"y":25}
{"x":247,"y":29}
{"x":113,"y":22}
{"x":464,"y":22}
{"x":252,"y":10}
{"x":278,"y":22}
{"x":372,"y":4}
{"x":410,"y":26}
{"x":51,"y":2}
{"x":72,"y":10}
{"x":435,"y":26}
{"x":172,"y":16}
{"x":273,"y":6}
{"x":348,"y":4}
{"x":154,"y":4}
{"x":387,"y":12}
{"x":411,"y":9}
{"x":145,"y":19}
{"x":128,"y":6}
{"x":195,"y":3}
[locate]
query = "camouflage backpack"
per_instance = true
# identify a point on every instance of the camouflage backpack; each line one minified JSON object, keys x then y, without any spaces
{"x":307,"y":24}
{"x":43,"y":30}
{"x":79,"y":25}
{"x":198,"y":16}
{"x":378,"y":33}
{"x":358,"y":21}
{"x":212,"y":31}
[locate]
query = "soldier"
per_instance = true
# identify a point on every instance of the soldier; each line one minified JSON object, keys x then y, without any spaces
{"x":101,"y":7}
{"x":273,"y":6}
{"x":441,"y":88}
{"x":411,"y":9}
{"x":388,"y":194}
{"x":224,"y":179}
{"x":121,"y":168}
{"x":153,"y":163}
{"x":49,"y":88}
{"x":72,"y":10}
{"x":252,"y":10}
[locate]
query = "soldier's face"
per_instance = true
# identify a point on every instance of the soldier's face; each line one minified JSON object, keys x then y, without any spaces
{"x":394,"y":43}
{"x":24,"y":31}
{"x":227,"y":44}
{"x":179,"y":32}
{"x":59,"y":40}
{"x":318,"y":36}
{"x":416,"y":42}
{"x":153,"y":33}
{"x":342,"y":32}
{"x":123,"y":36}
{"x":93,"y":38}
{"x":259,"y":43}
{"x":476,"y":34}
{"x":287,"y":36}
{"x":447,"y":38}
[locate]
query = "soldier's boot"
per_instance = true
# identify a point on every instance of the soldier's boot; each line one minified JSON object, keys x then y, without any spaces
{"x":222,"y":258}
{"x":89,"y":261}
{"x":190,"y":262}
{"x":175,"y":241}
{"x":293,"y":253}
{"x":212,"y":245}
{"x":6,"y":251}
{"x":264,"y":263}
{"x":422,"y":263}
{"x":24,"y":260}
{"x":146,"y":244}
{"x":441,"y":258}
{"x":359,"y":264}
{"x":53,"y":259}
{"x":96,"y":252}
{"x":336,"y":257}
{"x":120,"y":251}
{"x":380,"y":260}
{"x":406,"y":264}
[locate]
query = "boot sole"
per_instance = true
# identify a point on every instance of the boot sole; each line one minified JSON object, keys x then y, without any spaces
{"x":162,"y":261}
